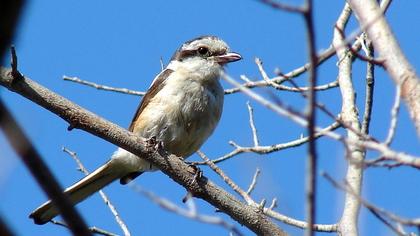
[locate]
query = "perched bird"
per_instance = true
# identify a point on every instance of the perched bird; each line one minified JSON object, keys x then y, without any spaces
{"x":180,"y":110}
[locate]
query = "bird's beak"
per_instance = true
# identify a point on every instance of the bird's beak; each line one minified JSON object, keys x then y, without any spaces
{"x":227,"y":58}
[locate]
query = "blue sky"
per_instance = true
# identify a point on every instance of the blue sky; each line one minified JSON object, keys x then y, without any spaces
{"x":121,"y":44}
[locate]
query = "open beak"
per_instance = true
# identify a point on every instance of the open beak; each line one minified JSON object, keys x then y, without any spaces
{"x":227,"y":58}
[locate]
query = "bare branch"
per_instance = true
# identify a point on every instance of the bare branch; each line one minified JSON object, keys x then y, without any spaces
{"x":370,"y":82}
{"x":390,"y":155}
{"x":269,"y":211}
{"x":394,"y":116}
{"x":105,"y":198}
{"x":103,"y":87}
{"x":162,"y":65}
{"x":227,"y":180}
{"x":298,"y":223}
{"x":252,"y":124}
{"x":94,"y":230}
{"x":254,"y":181}
{"x":322,"y":57}
{"x":287,"y":88}
{"x":323,"y":87}
{"x":355,"y":155}
{"x":362,"y":143}
{"x":273,"y":204}
{"x":271,"y":148}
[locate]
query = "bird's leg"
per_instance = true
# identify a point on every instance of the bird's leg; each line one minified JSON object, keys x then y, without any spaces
{"x":151,"y":143}
{"x":198,"y":173}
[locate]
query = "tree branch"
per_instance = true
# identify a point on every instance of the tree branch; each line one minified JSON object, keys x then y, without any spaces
{"x":371,"y":19}
{"x":370,"y":83}
{"x":355,"y":155}
{"x":103,"y":87}
{"x":312,"y":161}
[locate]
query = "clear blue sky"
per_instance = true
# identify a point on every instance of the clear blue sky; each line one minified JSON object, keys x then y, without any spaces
{"x":120,"y":44}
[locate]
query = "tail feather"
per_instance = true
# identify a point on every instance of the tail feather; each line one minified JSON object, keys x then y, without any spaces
{"x":81,"y":190}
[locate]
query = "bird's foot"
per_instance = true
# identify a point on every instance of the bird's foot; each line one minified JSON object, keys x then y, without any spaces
{"x":198,"y":173}
{"x":154,"y":145}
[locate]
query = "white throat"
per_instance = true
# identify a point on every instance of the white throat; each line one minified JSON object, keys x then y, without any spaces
{"x":202,"y":68}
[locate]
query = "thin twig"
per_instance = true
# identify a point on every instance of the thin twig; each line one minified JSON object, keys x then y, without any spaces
{"x":287,"y":88}
{"x":227,"y":180}
{"x":281,"y":87}
{"x":94,"y":230}
{"x":330,"y":85}
{"x":190,"y":213}
{"x":252,"y":124}
{"x":267,"y":211}
{"x":162,"y":65}
{"x":103,"y":87}
{"x":394,"y":116}
{"x":105,"y":198}
{"x":322,"y":57}
{"x":370,"y":82}
{"x":366,"y":142}
{"x":245,"y":79}
{"x":273,"y":204}
{"x":271,"y":148}
{"x":254,"y":181}
{"x":318,"y":105}
{"x":298,"y":223}
{"x":355,"y":53}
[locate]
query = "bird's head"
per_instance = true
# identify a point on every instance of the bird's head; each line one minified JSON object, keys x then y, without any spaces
{"x":204,"y":53}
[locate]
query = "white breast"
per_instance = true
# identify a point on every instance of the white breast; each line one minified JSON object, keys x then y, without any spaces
{"x":184,"y":113}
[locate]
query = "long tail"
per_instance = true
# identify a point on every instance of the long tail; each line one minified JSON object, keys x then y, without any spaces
{"x":81,"y":190}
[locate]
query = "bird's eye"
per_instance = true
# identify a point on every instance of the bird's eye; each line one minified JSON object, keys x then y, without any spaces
{"x":203,"y":50}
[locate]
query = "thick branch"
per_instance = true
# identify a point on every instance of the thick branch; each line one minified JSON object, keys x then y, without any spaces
{"x":354,"y":154}
{"x":170,"y":165}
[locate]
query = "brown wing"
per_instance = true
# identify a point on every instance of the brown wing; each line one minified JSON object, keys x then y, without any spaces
{"x":153,"y":90}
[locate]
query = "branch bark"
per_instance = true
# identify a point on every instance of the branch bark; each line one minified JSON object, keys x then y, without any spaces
{"x":355,"y":155}
{"x":172,"y":166}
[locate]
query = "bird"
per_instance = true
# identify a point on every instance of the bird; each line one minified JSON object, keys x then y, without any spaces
{"x":180,"y":110}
